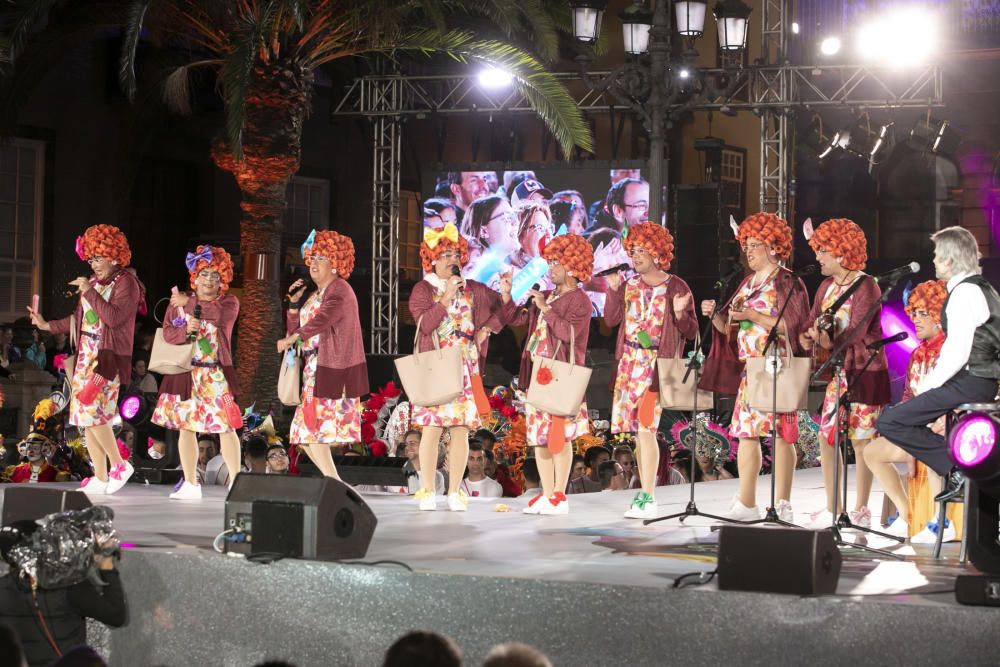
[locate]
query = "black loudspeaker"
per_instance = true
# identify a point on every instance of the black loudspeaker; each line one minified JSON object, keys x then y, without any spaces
{"x":778,"y":560}
{"x":700,"y":225}
{"x":315,"y":518}
{"x":26,"y":502}
{"x":375,"y":470}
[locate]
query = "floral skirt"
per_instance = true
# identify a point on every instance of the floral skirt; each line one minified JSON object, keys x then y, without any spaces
{"x":460,"y":411}
{"x":538,"y":423}
{"x":860,"y":423}
{"x":338,"y":420}
{"x":203,"y":411}
{"x":752,"y":423}
{"x":635,"y":377}
{"x":105,"y":407}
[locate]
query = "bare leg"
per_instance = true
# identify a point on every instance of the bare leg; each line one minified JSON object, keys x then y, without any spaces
{"x":648,"y":458}
{"x":458,"y":456}
{"x":229,"y":443}
{"x":748,"y":461}
{"x":428,"y":456}
{"x":863,"y":475}
{"x":563,"y":462}
{"x":880,"y":454}
{"x":96,"y":451}
{"x":784,"y":469}
{"x":546,"y":470}
{"x":827,"y":458}
{"x":321,"y":455}
{"x":106,"y":438}
{"x":187,"y":447}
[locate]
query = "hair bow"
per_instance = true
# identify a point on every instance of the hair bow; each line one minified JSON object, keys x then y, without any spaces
{"x":433,"y":236}
{"x":807,"y":229}
{"x":192,"y":259}
{"x":308,"y":243}
{"x":79,"y":248}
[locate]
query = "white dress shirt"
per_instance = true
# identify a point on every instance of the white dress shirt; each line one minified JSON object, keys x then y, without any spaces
{"x":967,"y":310}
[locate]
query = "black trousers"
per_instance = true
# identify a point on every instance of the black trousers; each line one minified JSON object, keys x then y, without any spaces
{"x":906,"y":424}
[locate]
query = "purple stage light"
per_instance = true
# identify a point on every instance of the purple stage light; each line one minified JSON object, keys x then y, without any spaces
{"x":972,"y":440}
{"x":130,"y":407}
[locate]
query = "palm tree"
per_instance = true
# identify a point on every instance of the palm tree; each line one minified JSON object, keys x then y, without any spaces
{"x":264,"y":55}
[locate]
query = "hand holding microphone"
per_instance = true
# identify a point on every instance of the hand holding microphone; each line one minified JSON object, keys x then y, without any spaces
{"x":194,"y":324}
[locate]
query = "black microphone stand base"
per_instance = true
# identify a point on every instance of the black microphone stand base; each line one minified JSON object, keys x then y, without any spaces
{"x":841,"y":542}
{"x":692,"y":510}
{"x":771,"y":516}
{"x":844,"y":522}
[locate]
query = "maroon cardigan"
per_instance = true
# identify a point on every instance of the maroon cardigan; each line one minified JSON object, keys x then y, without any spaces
{"x":872,"y":387}
{"x":569,"y":312}
{"x":486,"y":307}
{"x":341,"y":369}
{"x":675,"y":329}
{"x":222,"y":312}
{"x":723,"y":367}
{"x":114,"y":349}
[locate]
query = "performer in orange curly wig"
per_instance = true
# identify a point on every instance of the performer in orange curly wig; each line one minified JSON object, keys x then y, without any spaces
{"x":656,"y":312}
{"x":463,"y":313}
{"x":917,"y":509}
{"x":750,"y":313}
{"x":203,"y":400}
{"x":334,"y":372}
{"x":103,"y":324}
{"x":840,"y":248}
{"x":559,"y":322}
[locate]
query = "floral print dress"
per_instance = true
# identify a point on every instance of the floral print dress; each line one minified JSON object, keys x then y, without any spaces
{"x":203,"y":411}
{"x":861,"y":423}
{"x":338,"y":420}
{"x":456,"y":328}
{"x":105,"y":407}
{"x":750,"y":340}
{"x":538,"y":422}
{"x":645,"y":309}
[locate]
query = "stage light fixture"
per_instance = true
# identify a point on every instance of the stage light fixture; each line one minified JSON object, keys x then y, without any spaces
{"x":636,"y":23}
{"x":795,"y":27}
{"x":684,"y":73}
{"x":972,"y":445}
{"x":690,"y":17}
{"x":830,"y":46}
{"x":135,"y":409}
{"x":493,"y":77}
{"x":936,"y":136}
{"x":587,"y":15}
{"x":900,"y":38}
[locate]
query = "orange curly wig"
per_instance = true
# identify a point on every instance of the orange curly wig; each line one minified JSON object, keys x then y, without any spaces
{"x":574,"y":252}
{"x":106,"y":241}
{"x":929,"y":295}
{"x":768,"y":229}
{"x":221,"y":262}
{"x":655,"y":239}
{"x":843,"y":239}
{"x":338,"y":248}
{"x":429,"y":255}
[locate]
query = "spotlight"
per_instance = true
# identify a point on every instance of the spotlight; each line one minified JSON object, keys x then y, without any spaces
{"x":936,"y":136}
{"x":972,"y":445}
{"x":795,"y":27}
{"x":684,"y":73}
{"x":830,"y":46}
{"x":840,"y":140}
{"x":867,"y":142}
{"x":135,"y":408}
{"x":899,"y":38}
{"x":492,"y":77}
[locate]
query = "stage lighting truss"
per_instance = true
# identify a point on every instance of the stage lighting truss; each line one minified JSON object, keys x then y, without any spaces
{"x":972,"y":444}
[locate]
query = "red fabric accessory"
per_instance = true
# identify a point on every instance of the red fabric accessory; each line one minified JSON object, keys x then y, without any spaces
{"x":479,"y":395}
{"x":544,"y":376}
{"x":647,"y":405}
{"x":88,"y":394}
{"x":233,"y":414}
{"x":928,"y":350}
{"x":309,"y":411}
{"x":557,"y":434}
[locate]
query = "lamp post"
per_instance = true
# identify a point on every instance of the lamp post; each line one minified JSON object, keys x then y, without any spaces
{"x":646,"y":81}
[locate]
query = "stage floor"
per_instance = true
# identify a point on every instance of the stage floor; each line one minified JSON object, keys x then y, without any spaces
{"x":588,"y":545}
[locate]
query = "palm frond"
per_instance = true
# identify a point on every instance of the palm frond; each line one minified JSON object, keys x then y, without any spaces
{"x":24,"y":17}
{"x":133,"y":29}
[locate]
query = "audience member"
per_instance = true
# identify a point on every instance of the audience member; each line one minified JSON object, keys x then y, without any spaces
{"x":624,"y":457}
{"x":142,"y":381}
{"x":8,"y":353}
{"x":591,"y":482}
{"x":611,"y":476}
{"x":515,"y":654}
{"x":35,"y":353}
{"x":56,"y":344}
{"x":255,"y":454}
{"x":423,"y":649}
{"x":411,"y":450}
{"x":277,"y":459}
{"x":207,"y":450}
{"x":532,"y":480}
{"x":477,"y":484}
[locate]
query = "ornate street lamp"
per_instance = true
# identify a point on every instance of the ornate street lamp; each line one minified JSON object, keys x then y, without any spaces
{"x":587,"y":15}
{"x":690,"y":15}
{"x":731,"y":18}
{"x":637,"y":22}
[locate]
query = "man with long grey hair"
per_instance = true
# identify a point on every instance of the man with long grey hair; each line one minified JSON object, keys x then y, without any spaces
{"x":969,"y":365}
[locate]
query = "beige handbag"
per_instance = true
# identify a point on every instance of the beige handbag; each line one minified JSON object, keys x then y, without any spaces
{"x":289,"y":379}
{"x":169,"y":359}
{"x":431,"y":378}
{"x":793,"y":383}
{"x":563,"y":393}
{"x":675,"y":394}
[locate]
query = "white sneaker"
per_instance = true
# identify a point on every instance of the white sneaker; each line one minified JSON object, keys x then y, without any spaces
{"x":784,"y":510}
{"x":93,"y":486}
{"x":536,"y":504}
{"x":120,"y":472}
{"x":187,"y":491}
{"x":555,"y":505}
{"x":820,"y":520}
{"x":458,"y":501}
{"x":428,"y":503}
{"x":861,"y":518}
{"x":643,"y":507}
{"x":898,"y":528}
{"x":929,"y":534}
{"x":741,"y":512}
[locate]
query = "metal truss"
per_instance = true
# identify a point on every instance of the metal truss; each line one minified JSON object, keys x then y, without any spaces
{"x":384,"y":96}
{"x":775,"y":141}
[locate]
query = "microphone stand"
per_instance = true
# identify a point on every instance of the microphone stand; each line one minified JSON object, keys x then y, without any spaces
{"x":841,"y":519}
{"x":695,"y":367}
{"x":771,"y":346}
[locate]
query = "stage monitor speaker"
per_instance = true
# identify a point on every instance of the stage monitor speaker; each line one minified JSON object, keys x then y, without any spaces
{"x":778,"y":560}
{"x":373,"y":470}
{"x":30,"y":502}
{"x":315,"y":518}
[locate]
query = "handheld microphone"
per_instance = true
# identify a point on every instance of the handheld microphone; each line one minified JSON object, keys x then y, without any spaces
{"x":724,"y":280}
{"x":902,"y":335}
{"x":613,"y":269}
{"x":455,"y":271}
{"x":197,"y":315}
{"x":896,"y":274}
